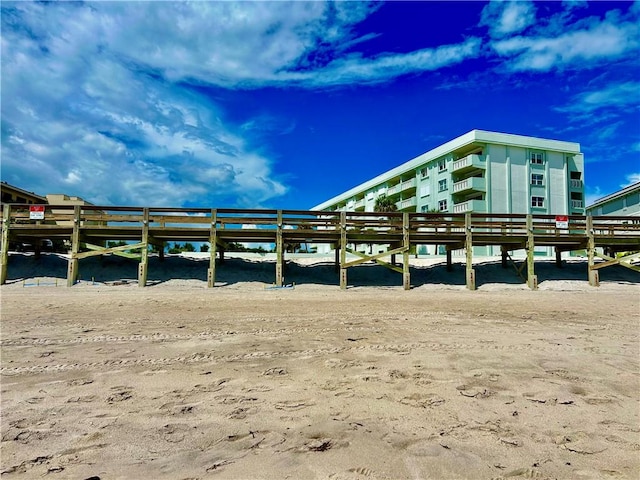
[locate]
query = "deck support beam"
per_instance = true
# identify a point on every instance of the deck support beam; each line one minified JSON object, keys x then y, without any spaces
{"x":504,"y":252}
{"x":532,"y":279}
{"x":594,"y":275}
{"x":72,"y":268}
{"x":143,"y":267}
{"x":213,"y":237}
{"x":4,"y":254}
{"x":406,"y":274}
{"x":558,"y":257}
{"x":279,"y":251}
{"x":470,"y":272}
{"x":449,"y":259}
{"x":343,"y":250}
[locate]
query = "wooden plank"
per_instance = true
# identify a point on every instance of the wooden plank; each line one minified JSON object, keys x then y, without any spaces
{"x":378,"y":261}
{"x":120,"y":250}
{"x":622,"y":261}
{"x":367,"y":258}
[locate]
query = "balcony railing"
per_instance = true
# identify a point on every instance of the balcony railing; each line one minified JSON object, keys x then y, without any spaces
{"x":576,"y":204}
{"x":407,"y":184}
{"x":576,"y":183}
{"x":473,"y":183}
{"x":470,"y":206}
{"x":467,"y":163}
{"x":359,"y":203}
{"x":409,"y":202}
{"x":396,"y":189}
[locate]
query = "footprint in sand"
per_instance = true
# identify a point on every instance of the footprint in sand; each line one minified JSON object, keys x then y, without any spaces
{"x":420,"y":400}
{"x":293,"y":405}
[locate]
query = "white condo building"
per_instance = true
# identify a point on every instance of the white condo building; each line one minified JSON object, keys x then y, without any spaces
{"x":480,"y":171}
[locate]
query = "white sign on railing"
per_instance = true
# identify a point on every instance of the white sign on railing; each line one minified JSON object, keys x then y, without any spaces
{"x":36,"y":212}
{"x":562,"y":221}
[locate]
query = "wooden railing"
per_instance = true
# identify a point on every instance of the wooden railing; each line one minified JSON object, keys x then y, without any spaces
{"x":63,"y":217}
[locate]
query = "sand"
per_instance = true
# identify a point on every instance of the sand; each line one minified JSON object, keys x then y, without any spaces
{"x":176,"y":381}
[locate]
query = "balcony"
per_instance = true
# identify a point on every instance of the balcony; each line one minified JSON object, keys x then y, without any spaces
{"x":359,"y":205}
{"x":468,"y":163}
{"x":477,"y":184}
{"x":470,"y":206}
{"x":395,"y":190}
{"x":408,"y":203}
{"x":576,"y":184}
{"x":576,"y":204}
{"x":408,"y":185}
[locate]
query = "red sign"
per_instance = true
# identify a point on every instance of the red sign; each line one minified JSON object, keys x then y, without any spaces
{"x":36,"y":212}
{"x":562,"y":221}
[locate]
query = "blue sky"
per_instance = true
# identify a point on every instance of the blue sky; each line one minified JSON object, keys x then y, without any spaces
{"x":285,"y":105}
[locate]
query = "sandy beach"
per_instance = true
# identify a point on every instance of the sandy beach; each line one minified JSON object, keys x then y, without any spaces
{"x":177,"y":381}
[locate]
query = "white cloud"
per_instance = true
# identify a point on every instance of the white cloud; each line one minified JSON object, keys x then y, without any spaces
{"x":508,"y":17}
{"x":563,"y":43}
{"x":617,"y":95}
{"x":631,"y":179}
{"x":96,"y":96}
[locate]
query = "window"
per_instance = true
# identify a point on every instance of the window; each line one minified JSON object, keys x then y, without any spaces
{"x":442,"y":165}
{"x":536,"y":179}
{"x":424,"y":172}
{"x":442,"y":205}
{"x":537,"y":202}
{"x":442,"y":185}
{"x":536,"y":158}
{"x":424,"y":208}
{"x":425,"y":190}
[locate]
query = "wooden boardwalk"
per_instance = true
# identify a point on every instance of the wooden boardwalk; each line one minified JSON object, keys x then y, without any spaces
{"x":87,"y":229}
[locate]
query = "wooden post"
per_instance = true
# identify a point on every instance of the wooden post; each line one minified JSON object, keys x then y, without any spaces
{"x":161,"y":252}
{"x":336,"y":252}
{"x":144,"y":253}
{"x":343,"y":250}
{"x":449,"y":264}
{"x":406,"y":274}
{"x":594,"y":276}
{"x":4,"y":254}
{"x":532,"y":279}
{"x":213,"y":239}
{"x":504,"y":252}
{"x":279,"y":250}
{"x":470,"y":272}
{"x":72,"y":270}
{"x":558,"y":258}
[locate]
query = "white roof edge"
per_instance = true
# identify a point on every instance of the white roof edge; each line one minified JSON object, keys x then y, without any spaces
{"x":624,"y":191}
{"x":458,"y":142}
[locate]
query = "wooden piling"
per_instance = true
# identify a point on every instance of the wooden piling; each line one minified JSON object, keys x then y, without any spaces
{"x":72,"y":269}
{"x":343,"y":250}
{"x":470,"y":272}
{"x":4,"y":253}
{"x":144,"y":252}
{"x":532,"y":279}
{"x":279,"y":251}
{"x":213,"y":239}
{"x":594,"y":276}
{"x":406,"y":274}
